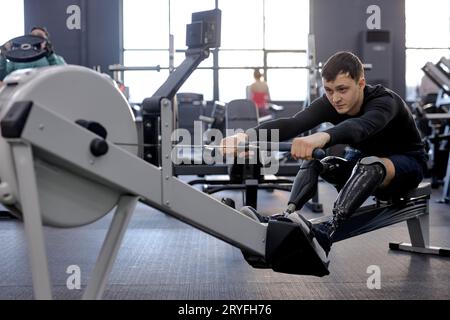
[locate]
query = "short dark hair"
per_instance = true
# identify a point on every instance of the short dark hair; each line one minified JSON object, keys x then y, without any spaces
{"x":44,"y":29}
{"x":342,"y":62}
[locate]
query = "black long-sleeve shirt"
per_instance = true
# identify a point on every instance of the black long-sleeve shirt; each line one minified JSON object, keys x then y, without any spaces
{"x":384,"y":126}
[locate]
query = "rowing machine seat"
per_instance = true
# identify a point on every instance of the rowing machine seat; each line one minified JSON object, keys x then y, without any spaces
{"x":422,"y":190}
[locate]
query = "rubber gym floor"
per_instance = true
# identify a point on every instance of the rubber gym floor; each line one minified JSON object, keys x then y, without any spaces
{"x":163,"y":258}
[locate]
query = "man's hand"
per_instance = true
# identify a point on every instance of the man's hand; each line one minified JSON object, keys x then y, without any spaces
{"x":302,"y":148}
{"x":228,"y":145}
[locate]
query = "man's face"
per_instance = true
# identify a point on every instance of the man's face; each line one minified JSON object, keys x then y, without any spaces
{"x":345,"y":94}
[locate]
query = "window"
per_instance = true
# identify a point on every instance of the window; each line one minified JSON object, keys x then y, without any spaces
{"x":180,"y":16}
{"x":147,"y":25}
{"x":14,"y":20}
{"x":289,"y":73}
{"x":427,"y":40}
{"x":267,"y":34}
{"x":287,"y":24}
{"x":242,"y":24}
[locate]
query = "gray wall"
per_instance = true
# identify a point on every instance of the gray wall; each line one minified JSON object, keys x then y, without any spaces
{"x":98,"y":42}
{"x":338,"y":25}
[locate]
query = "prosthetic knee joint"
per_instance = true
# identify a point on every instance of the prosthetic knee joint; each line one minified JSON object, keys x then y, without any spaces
{"x":336,"y":170}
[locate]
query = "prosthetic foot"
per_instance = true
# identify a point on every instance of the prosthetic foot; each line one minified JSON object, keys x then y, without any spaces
{"x":252,"y":213}
{"x":247,"y":210}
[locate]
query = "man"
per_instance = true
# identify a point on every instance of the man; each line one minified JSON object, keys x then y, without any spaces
{"x":371,"y":119}
{"x":6,"y":66}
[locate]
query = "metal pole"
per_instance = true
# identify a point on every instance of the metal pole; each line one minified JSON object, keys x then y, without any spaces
{"x":171,"y":53}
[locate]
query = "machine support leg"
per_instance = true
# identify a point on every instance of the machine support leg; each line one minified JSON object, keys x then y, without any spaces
{"x":419,"y":233}
{"x":34,"y":232}
{"x":314,"y":205}
{"x":110,"y":247}
{"x":251,"y":193}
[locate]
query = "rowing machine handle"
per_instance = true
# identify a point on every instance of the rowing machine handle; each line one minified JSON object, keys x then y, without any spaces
{"x":317,"y":154}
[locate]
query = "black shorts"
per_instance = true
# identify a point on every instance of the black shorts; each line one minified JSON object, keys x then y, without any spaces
{"x":409,"y":170}
{"x":409,"y":173}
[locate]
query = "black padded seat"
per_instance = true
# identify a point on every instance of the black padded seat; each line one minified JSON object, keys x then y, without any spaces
{"x":423,"y":189}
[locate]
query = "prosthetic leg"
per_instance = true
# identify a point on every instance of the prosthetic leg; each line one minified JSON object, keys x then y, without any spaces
{"x":316,"y":241}
{"x":303,"y":189}
{"x":304,"y":249}
{"x":305,"y":185}
{"x":366,"y":177}
{"x":334,"y":170}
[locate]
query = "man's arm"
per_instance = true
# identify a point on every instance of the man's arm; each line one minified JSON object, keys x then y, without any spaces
{"x":377,"y":115}
{"x":318,"y":112}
